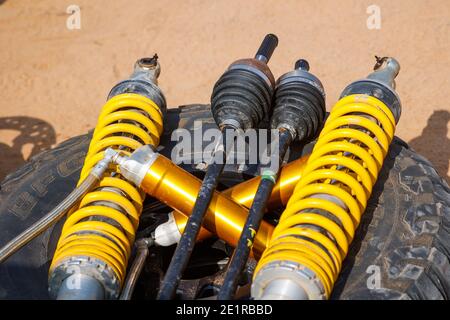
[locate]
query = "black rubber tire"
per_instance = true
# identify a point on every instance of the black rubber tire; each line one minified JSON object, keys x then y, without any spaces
{"x":404,"y":233}
{"x":25,"y":196}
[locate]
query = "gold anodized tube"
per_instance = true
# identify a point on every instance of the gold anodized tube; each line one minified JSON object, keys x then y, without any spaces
{"x":244,"y":193}
{"x":178,"y":189}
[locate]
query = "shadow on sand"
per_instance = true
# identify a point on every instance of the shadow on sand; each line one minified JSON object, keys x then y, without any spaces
{"x":35,"y":134}
{"x":433,"y":143}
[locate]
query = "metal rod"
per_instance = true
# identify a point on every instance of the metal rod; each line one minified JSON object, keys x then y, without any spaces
{"x":136,"y":268}
{"x":254,"y":218}
{"x":267,"y":48}
{"x":187,"y":242}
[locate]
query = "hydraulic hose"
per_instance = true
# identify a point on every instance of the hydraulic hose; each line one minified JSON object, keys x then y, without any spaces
{"x":97,"y":237}
{"x":57,"y":213}
{"x":241,"y":99}
{"x":298,"y":112}
{"x":312,"y":238}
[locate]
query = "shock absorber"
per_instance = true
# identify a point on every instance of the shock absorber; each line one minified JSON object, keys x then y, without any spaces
{"x":241,"y":100}
{"x":162,"y":179}
{"x":308,"y":246}
{"x":92,"y":253}
{"x":298,"y":113}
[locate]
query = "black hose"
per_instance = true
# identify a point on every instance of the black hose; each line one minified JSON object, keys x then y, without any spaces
{"x":187,"y":242}
{"x":254,"y":218}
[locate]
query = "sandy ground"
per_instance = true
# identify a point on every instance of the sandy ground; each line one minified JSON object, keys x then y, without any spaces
{"x":54,"y":80}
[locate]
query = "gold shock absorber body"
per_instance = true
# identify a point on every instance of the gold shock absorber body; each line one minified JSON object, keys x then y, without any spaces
{"x":178,"y":189}
{"x":325,"y":209}
{"x":104,"y":224}
{"x":243,"y":194}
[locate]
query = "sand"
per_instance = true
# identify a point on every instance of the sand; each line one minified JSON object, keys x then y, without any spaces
{"x":55,"y":80}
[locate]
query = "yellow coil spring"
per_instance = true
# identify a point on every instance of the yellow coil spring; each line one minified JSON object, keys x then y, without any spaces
{"x":127,"y":121}
{"x":344,"y":164}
